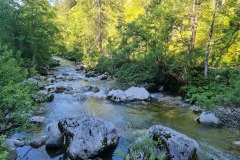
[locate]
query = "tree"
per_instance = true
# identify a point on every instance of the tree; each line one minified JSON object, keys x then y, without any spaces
{"x":216,"y":3}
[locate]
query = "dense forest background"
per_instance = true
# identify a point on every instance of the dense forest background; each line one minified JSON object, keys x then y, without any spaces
{"x":189,"y":47}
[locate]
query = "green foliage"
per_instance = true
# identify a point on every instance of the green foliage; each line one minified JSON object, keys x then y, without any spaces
{"x":146,"y":147}
{"x":29,"y":28}
{"x":222,"y":88}
{"x":15,"y":96}
{"x":135,"y":73}
{"x":3,"y":151}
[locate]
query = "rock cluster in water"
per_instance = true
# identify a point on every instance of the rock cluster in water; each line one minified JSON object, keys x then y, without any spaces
{"x":133,"y":93}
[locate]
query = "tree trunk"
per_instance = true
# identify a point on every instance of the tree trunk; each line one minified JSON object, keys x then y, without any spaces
{"x":194,"y":25}
{"x":99,"y":27}
{"x":209,"y":40}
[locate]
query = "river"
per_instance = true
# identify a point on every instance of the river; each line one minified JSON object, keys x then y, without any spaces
{"x":214,"y":142}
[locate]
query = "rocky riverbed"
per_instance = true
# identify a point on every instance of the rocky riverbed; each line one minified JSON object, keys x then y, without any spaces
{"x":82,"y":107}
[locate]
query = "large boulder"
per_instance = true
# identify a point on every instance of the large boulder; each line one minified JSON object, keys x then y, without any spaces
{"x":180,"y":146}
{"x":87,"y":136}
{"x":54,"y":137}
{"x":117,"y":96}
{"x":137,"y":93}
{"x":208,"y":118}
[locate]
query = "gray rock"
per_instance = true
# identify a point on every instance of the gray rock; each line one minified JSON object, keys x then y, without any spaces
{"x":95,"y":89}
{"x":180,"y":146}
{"x":103,"y":77}
{"x":9,"y":143}
{"x":87,"y":136}
{"x":54,"y":137}
{"x":80,"y":67}
{"x":90,"y":74}
{"x":69,"y":88}
{"x":70,"y":78}
{"x":49,"y":88}
{"x":208,"y":118}
{"x":40,"y":111}
{"x":60,"y":88}
{"x":32,"y":81}
{"x":100,"y":95}
{"x":237,"y":143}
{"x":18,"y":143}
{"x":86,"y":88}
{"x":157,"y":97}
{"x":117,"y":96}
{"x":218,"y":77}
{"x":38,"y":142}
{"x":51,"y":80}
{"x":59,"y":77}
{"x":229,"y":116}
{"x":196,"y":109}
{"x":137,"y":93}
{"x":43,"y":96}
{"x":37,"y":119}
{"x":13,"y":143}
{"x":65,"y":74}
{"x":13,"y":154}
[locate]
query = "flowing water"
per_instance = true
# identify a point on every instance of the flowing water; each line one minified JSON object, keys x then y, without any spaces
{"x":214,"y":142}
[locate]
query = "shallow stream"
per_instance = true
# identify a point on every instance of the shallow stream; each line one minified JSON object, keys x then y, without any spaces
{"x":214,"y":142}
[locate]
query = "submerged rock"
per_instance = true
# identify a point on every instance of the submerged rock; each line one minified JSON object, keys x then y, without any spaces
{"x":180,"y":146}
{"x":117,"y":96}
{"x":137,"y":93}
{"x":87,"y":136}
{"x":54,"y":137}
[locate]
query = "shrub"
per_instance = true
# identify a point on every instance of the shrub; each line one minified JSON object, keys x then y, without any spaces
{"x":221,"y":88}
{"x":3,"y":150}
{"x":15,"y":97}
{"x":146,"y":147}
